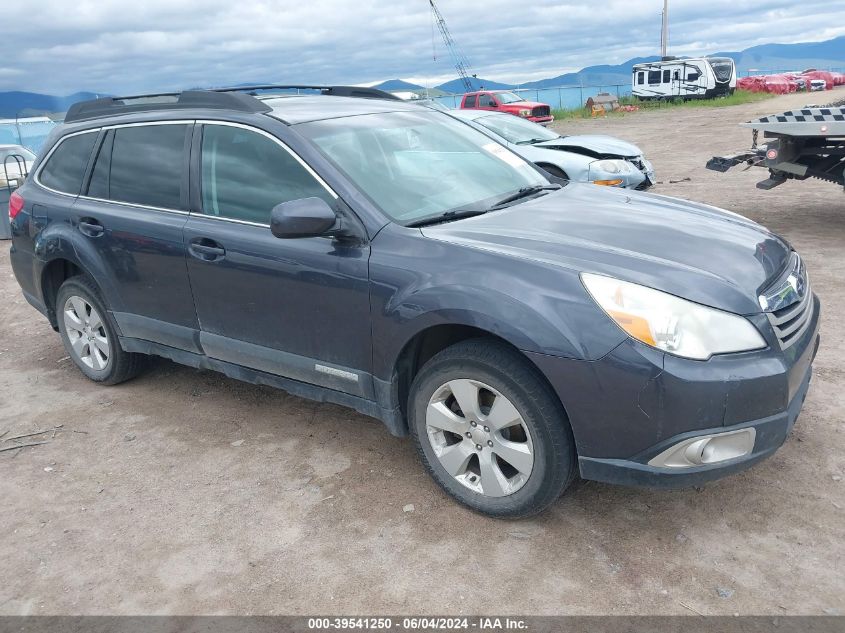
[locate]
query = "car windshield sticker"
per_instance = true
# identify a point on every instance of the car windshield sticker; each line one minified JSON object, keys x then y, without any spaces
{"x":502,"y":154}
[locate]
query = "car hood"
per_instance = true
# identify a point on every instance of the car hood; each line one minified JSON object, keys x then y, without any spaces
{"x":598,"y":145}
{"x":695,"y":251}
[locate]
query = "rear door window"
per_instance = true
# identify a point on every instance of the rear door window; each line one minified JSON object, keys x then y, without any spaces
{"x":146,"y":165}
{"x":65,"y":168}
{"x":245,"y":174}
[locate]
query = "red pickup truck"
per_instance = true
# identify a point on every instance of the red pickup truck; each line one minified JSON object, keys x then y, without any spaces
{"x":506,"y":101}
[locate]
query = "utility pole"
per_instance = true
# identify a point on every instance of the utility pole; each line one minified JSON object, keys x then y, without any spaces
{"x":664,"y":33}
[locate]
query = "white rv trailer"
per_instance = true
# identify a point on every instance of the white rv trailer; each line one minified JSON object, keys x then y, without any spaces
{"x":685,"y":78}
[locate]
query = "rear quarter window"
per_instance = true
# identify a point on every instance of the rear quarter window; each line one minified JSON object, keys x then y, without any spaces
{"x":470,"y":101}
{"x":65,"y":167}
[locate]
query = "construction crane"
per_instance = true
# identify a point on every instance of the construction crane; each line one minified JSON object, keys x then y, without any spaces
{"x":459,"y":59}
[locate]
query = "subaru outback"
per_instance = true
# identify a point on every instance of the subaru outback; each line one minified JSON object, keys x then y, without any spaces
{"x":387,"y":257}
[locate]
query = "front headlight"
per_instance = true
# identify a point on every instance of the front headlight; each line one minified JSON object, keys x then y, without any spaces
{"x":525,"y":113}
{"x":612,"y":166}
{"x":670,"y":323}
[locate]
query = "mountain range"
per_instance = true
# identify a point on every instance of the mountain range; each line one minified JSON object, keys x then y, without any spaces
{"x":765,"y":57}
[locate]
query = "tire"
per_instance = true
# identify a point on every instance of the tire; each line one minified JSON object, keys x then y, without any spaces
{"x":100,"y":357}
{"x":555,"y":171}
{"x":480,"y":474}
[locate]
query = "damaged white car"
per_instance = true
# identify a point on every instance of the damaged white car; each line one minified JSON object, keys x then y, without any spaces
{"x":602,"y":160}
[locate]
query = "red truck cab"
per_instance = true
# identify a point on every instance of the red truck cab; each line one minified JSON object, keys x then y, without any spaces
{"x":509,"y":102}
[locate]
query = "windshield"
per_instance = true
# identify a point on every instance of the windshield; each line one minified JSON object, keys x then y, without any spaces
{"x":416,"y":165}
{"x":508,"y":97}
{"x":516,"y":130}
{"x":5,"y":152}
{"x":722,"y":68}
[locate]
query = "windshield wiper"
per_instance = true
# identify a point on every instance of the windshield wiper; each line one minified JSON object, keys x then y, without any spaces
{"x":523,"y":193}
{"x":530,"y":141}
{"x":447,"y":216}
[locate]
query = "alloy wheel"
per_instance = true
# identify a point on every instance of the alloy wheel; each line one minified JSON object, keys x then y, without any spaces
{"x":86,"y":333}
{"x":479,"y":437}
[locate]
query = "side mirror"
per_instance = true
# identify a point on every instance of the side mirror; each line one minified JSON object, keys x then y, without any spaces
{"x":308,"y":217}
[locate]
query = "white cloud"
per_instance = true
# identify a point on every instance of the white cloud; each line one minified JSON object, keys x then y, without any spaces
{"x":120,"y":47}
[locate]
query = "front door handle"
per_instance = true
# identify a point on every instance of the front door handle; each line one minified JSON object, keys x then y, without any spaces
{"x":91,"y":227}
{"x":206,"y":249}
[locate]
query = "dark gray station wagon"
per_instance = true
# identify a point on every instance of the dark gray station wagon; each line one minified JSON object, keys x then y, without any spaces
{"x":384,"y":256}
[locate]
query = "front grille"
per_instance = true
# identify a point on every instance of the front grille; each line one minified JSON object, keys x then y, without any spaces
{"x":541,"y":111}
{"x":790,"y":322}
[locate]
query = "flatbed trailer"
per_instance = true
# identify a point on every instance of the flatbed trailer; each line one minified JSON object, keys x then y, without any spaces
{"x":799,"y":144}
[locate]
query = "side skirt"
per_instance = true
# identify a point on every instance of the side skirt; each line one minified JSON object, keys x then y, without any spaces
{"x":392,"y":418}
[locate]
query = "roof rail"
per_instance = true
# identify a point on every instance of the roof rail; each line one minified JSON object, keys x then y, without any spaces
{"x":336,"y":91}
{"x":210,"y":99}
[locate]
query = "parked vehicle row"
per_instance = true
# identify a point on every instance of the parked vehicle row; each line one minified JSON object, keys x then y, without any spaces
{"x":598,"y":159}
{"x":509,"y":103}
{"x":593,"y":158}
{"x":372,"y":253}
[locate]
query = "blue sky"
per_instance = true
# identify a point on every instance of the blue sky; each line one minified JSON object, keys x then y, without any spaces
{"x":124,"y":47}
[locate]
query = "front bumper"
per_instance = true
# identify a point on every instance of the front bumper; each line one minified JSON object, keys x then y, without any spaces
{"x":542,"y":120}
{"x":630,"y":406}
{"x":771,"y":433}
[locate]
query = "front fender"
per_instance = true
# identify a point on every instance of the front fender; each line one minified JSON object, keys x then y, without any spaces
{"x":419,"y":283}
{"x":575,"y":166}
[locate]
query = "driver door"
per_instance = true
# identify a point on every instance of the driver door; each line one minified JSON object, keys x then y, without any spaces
{"x":297,"y":308}
{"x":486,"y":101}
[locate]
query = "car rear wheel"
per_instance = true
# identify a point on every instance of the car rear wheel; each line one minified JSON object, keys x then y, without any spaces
{"x":89,"y":335}
{"x":490,"y":431}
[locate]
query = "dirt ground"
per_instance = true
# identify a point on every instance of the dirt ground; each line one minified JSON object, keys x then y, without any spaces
{"x":185,"y":492}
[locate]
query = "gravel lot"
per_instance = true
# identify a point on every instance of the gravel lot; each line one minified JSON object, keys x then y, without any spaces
{"x":185,"y":492}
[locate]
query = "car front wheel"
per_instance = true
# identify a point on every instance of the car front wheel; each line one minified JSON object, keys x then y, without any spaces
{"x":490,"y":431}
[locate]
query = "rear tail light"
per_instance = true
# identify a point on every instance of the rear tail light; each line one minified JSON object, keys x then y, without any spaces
{"x":15,"y":205}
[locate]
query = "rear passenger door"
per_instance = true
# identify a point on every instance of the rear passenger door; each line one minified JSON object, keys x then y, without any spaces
{"x":297,"y":308}
{"x":133,"y":211}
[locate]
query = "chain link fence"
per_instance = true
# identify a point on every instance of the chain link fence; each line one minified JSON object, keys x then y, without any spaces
{"x":560,"y":97}
{"x":757,"y":72}
{"x":570,"y":97}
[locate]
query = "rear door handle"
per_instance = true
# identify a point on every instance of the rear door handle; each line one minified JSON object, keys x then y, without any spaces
{"x":206,"y":250}
{"x":91,"y":227}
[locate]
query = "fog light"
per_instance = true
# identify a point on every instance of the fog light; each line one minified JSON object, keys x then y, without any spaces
{"x":703,"y":450}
